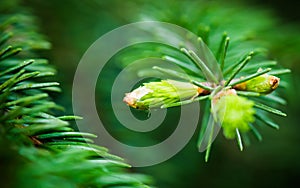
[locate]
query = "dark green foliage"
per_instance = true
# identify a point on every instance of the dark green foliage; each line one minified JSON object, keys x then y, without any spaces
{"x":38,"y":148}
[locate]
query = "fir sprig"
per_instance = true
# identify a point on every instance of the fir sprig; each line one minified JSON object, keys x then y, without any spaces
{"x":243,"y":60}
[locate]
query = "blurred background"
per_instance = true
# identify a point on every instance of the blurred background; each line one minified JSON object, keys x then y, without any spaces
{"x":73,"y":25}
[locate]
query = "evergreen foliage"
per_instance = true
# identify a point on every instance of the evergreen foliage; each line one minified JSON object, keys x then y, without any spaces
{"x":38,"y":148}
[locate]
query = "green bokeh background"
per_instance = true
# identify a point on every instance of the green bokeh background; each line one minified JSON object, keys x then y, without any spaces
{"x":73,"y":25}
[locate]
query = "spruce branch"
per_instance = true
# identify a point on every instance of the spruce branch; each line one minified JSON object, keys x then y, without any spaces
{"x":245,"y":64}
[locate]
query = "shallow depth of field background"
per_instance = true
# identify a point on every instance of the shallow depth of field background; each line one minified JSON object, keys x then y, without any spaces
{"x":72,"y":26}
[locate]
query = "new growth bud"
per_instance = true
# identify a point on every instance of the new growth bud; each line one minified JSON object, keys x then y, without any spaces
{"x":264,"y":84}
{"x":233,"y":112}
{"x":156,"y":94}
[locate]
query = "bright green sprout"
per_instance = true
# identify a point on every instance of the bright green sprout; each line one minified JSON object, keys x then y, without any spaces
{"x":157,"y":94}
{"x":234,"y":112}
{"x":263,"y":84}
